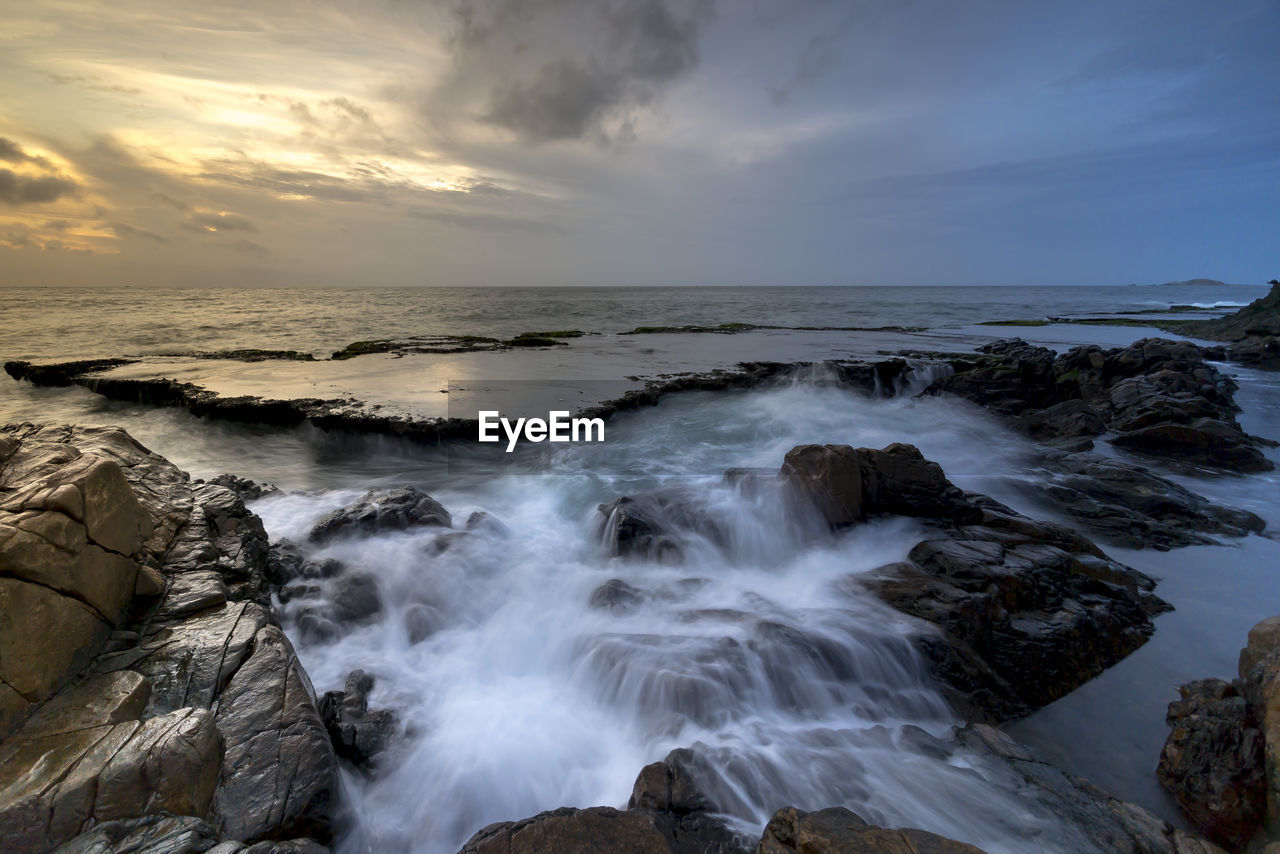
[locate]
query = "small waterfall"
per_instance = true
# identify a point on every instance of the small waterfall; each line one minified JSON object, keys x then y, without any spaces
{"x":919,"y":376}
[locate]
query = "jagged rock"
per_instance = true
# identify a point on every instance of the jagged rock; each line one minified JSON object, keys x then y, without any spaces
{"x":1212,"y":761}
{"x":284,"y":562}
{"x":1258,"y":351}
{"x":358,"y":734}
{"x":246,"y":489}
{"x":848,"y":485}
{"x":382,"y":510}
{"x":1125,"y":504}
{"x":837,"y":830}
{"x":355,"y":598}
{"x":278,"y":775}
{"x":669,"y":792}
{"x":1162,"y":396}
{"x":51,"y":785}
{"x":139,"y":735}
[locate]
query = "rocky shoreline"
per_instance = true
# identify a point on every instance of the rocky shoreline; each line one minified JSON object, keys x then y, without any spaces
{"x":162,"y":708}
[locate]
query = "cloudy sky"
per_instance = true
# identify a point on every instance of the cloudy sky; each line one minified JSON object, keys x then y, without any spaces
{"x":638,"y":141}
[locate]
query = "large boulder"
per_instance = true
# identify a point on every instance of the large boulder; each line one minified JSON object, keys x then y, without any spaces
{"x":837,"y":830}
{"x":659,"y":525}
{"x":848,"y":485}
{"x":176,"y":694}
{"x":1260,"y":318}
{"x":382,"y":510}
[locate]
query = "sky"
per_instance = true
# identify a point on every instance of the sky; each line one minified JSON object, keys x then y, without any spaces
{"x":632,"y":142}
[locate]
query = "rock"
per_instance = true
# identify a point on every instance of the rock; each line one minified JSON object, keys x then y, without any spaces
{"x":355,"y":598}
{"x":1068,"y":419}
{"x":659,"y":525}
{"x":137,"y":733}
{"x":1264,"y":639}
{"x":284,"y":562}
{"x":839,"y":831}
{"x":572,"y":831}
{"x":1021,"y":611}
{"x":1258,"y":319}
{"x":848,"y":485}
{"x":1161,"y":395}
{"x":243,"y":487}
{"x":382,"y":510}
{"x":483,"y":522}
{"x":1257,"y":351}
{"x":670,"y":793}
{"x":1125,"y":504}
{"x":615,"y":594}
{"x":1086,"y":818}
{"x":51,"y":785}
{"x":421,"y":621}
{"x":358,"y":734}
{"x":1205,"y":440}
{"x":1212,"y":761}
{"x":278,"y":775}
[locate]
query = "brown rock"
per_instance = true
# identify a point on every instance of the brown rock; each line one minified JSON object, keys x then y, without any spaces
{"x":838,"y":831}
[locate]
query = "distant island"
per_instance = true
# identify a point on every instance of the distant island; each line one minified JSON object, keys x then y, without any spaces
{"x":1197,"y":282}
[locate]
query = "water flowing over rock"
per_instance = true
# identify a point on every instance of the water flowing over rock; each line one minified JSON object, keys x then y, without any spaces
{"x":1160,"y":396}
{"x":382,"y":510}
{"x":177,"y":714}
{"x":358,"y":734}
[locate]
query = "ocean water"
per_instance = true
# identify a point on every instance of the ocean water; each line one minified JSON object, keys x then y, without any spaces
{"x":758,"y":650}
{"x":64,"y":322}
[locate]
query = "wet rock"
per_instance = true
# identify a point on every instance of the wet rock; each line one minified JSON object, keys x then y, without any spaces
{"x":1021,"y":611}
{"x":284,"y":562}
{"x":382,"y":510}
{"x":358,"y":734}
{"x":1257,"y":351}
{"x":848,"y":485}
{"x":1161,"y":395}
{"x":483,"y":522}
{"x":1125,"y":504}
{"x":54,"y":784}
{"x":572,"y":831}
{"x":246,"y":489}
{"x":670,"y":793}
{"x":658,"y":525}
{"x":1206,"y":441}
{"x":355,"y":598}
{"x":615,"y":594}
{"x":168,"y":834}
{"x":421,"y":621}
{"x":278,"y":774}
{"x":839,"y":831}
{"x":1086,"y":818}
{"x":1212,"y":762}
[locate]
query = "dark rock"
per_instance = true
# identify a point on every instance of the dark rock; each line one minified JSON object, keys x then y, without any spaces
{"x":247,"y":489}
{"x":358,"y":734}
{"x":421,"y":621}
{"x":1125,"y":504}
{"x":655,"y":525}
{"x":382,"y":510}
{"x":837,"y":830}
{"x":1212,"y":762}
{"x":1257,"y":352}
{"x":615,"y":594}
{"x":355,"y":598}
{"x":1206,"y":441}
{"x":284,"y":562}
{"x":670,"y":793}
{"x":1259,"y":318}
{"x":572,"y":831}
{"x":848,"y":485}
{"x":483,"y":522}
{"x":1069,"y":419}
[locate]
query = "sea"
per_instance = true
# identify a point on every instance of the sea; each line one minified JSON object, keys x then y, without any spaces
{"x":757,"y":651}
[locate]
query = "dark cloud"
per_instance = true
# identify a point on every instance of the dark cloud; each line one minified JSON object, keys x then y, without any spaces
{"x":14,"y":153}
{"x":18,"y":189}
{"x":561,"y":69}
